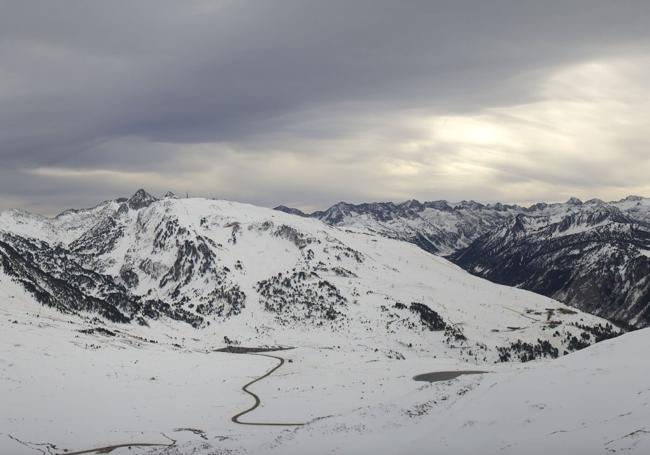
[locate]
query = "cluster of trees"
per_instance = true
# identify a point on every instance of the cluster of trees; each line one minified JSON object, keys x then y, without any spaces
{"x":525,"y":352}
{"x":301,"y":296}
{"x":224,"y":301}
{"x":430,"y":319}
{"x":600,"y":332}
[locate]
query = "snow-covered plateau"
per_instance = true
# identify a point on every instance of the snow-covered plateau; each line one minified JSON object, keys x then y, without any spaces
{"x":124,"y":328}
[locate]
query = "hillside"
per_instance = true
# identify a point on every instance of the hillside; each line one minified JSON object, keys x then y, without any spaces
{"x":591,"y":255}
{"x":127,"y":308}
{"x":594,"y":258}
{"x":251,"y":272}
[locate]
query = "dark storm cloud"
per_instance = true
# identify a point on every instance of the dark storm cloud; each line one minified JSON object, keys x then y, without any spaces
{"x":133,"y":87}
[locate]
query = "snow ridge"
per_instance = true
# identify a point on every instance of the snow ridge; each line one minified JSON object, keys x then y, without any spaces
{"x":591,"y":255}
{"x":259,"y":274}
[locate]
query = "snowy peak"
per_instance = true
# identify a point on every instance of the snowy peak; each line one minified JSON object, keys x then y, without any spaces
{"x":336,"y":213}
{"x":468,"y":205}
{"x":574,"y":201}
{"x":436,"y":226}
{"x":521,"y":246}
{"x":593,"y":216}
{"x":591,"y":256}
{"x":140,"y":200}
{"x":632,"y":198}
{"x":266,"y":274}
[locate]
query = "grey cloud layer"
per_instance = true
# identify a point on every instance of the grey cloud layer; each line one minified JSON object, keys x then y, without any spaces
{"x":149,"y":89}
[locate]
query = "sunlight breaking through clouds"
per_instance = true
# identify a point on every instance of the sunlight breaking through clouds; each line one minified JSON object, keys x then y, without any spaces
{"x":516,"y":112}
{"x":574,"y":140}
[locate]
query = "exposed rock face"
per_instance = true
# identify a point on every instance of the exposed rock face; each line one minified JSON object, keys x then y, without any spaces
{"x":290,"y":210}
{"x":256,"y":271}
{"x":56,"y":280}
{"x":595,"y":259}
{"x":140,"y":200}
{"x":592,"y":255}
{"x":438,"y":227}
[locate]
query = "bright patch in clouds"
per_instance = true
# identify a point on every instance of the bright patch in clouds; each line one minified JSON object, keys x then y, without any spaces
{"x":574,"y":140}
{"x":308,"y":103}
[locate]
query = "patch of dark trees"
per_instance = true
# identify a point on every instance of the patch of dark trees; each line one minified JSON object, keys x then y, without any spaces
{"x":430,"y":319}
{"x":301,"y":296}
{"x":525,"y":352}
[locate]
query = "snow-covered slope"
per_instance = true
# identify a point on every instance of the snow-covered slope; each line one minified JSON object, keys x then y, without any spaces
{"x":109,"y":332}
{"x":636,"y":207}
{"x":591,"y":255}
{"x":63,"y":228}
{"x":264,"y":275}
{"x":596,"y":401}
{"x":68,"y":385}
{"x":443,"y":227}
{"x":594,"y":257}
{"x":439,"y":227}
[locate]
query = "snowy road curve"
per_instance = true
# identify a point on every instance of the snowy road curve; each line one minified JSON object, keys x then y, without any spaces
{"x":236,"y":417}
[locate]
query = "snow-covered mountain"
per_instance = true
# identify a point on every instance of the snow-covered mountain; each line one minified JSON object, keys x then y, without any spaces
{"x":258,"y":274}
{"x":126,"y":308}
{"x":439,"y":227}
{"x":591,"y":402}
{"x":591,"y":255}
{"x":595,"y":257}
{"x":70,"y":385}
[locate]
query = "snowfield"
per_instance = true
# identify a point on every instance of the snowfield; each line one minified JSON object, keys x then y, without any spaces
{"x":65,"y":390}
{"x":111,"y":320}
{"x":595,"y":401}
{"x":589,"y":255}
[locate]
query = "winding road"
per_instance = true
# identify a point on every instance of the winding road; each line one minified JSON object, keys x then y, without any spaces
{"x":236,"y":417}
{"x":109,"y":449}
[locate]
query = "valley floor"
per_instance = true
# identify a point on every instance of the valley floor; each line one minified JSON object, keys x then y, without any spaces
{"x":65,"y":391}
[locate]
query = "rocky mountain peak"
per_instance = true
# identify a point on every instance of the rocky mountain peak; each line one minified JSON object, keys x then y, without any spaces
{"x":413,"y":204}
{"x":290,"y":210}
{"x":574,"y":201}
{"x":337,"y":212}
{"x":632,"y":197}
{"x":538,"y":207}
{"x":469,"y":205}
{"x":140,"y":199}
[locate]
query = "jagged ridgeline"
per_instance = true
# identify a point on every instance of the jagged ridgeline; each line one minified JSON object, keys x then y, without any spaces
{"x":595,"y":258}
{"x":257,"y":271}
{"x":594,"y":255}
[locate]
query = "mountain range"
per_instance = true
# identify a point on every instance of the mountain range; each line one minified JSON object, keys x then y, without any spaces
{"x":591,"y":255}
{"x":260,"y":275}
{"x":146,"y":320}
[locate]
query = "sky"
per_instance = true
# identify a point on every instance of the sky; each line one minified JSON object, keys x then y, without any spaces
{"x":307,"y":103}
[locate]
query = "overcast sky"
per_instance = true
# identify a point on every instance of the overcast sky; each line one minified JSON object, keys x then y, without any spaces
{"x":306,"y":103}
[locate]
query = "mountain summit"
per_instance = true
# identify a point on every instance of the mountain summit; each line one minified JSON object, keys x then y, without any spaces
{"x":268,"y":277}
{"x":140,"y":199}
{"x":592,"y":255}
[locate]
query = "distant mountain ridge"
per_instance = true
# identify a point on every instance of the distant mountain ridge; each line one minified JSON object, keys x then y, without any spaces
{"x":592,"y":255}
{"x":596,"y":259}
{"x":439,"y":227}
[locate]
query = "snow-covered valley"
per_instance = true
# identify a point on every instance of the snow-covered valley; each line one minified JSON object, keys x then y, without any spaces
{"x":65,"y":391}
{"x":113,"y":322}
{"x":591,"y":255}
